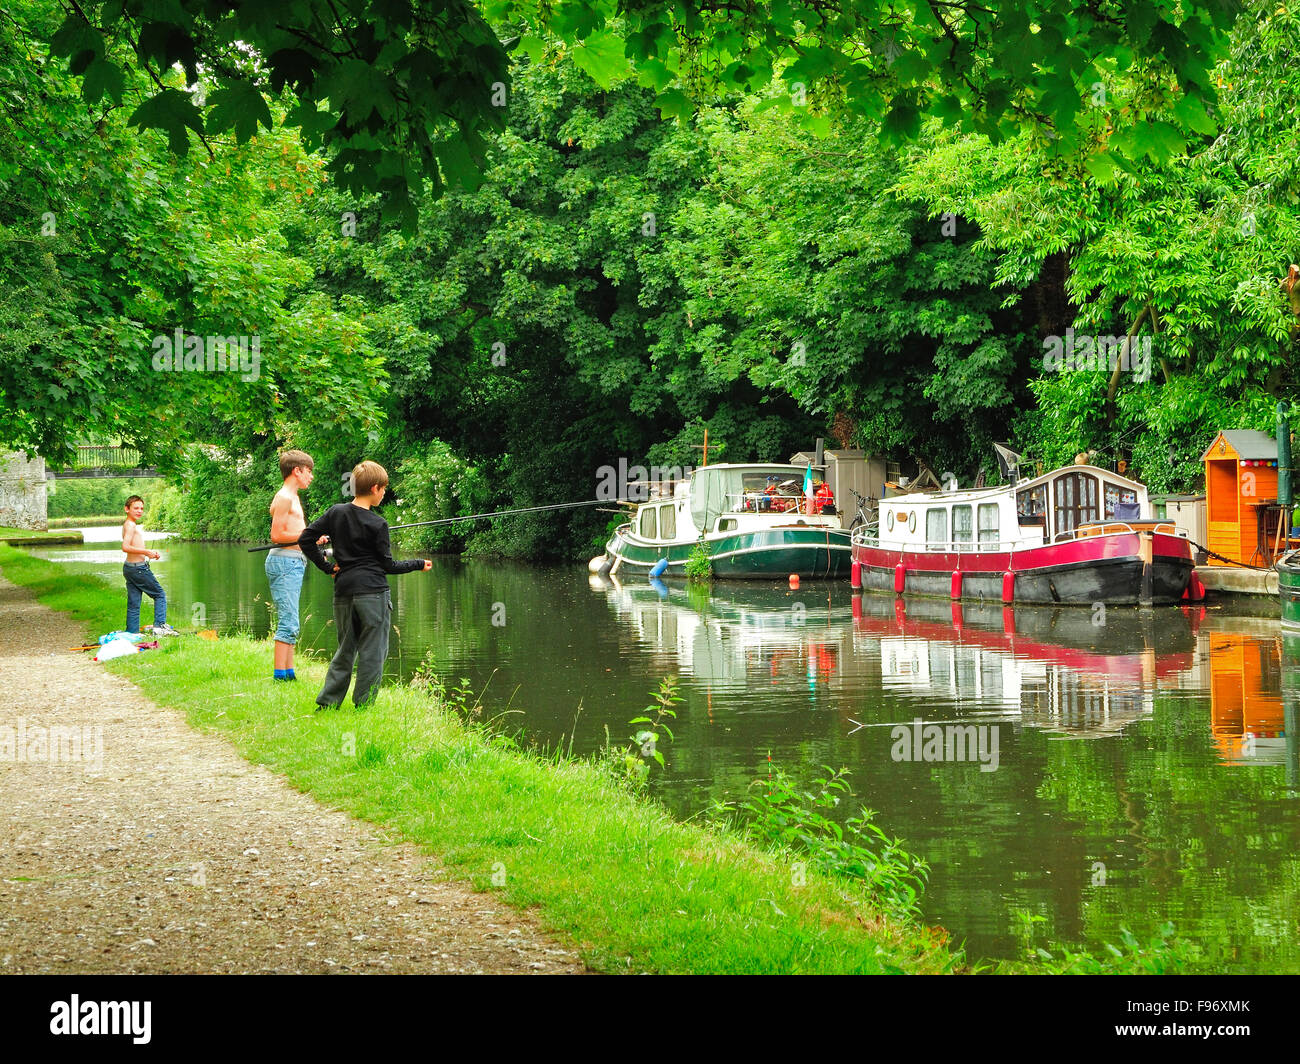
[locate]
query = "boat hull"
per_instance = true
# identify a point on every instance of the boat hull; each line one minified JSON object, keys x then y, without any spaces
{"x":1288,"y":590}
{"x":1085,"y":571}
{"x":766,"y":554}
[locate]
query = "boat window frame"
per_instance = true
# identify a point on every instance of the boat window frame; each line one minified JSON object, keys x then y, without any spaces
{"x":1036,"y":494}
{"x":668,"y":510}
{"x":1109,"y":488}
{"x":941,"y":542}
{"x":980,"y":538}
{"x":1066,"y":517}
{"x":649,"y":514}
{"x":968,"y":543}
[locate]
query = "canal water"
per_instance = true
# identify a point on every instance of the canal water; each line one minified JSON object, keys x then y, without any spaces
{"x":1106,"y":768}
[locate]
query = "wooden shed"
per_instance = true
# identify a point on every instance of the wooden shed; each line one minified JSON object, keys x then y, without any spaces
{"x":1240,"y":488}
{"x":845,"y":469}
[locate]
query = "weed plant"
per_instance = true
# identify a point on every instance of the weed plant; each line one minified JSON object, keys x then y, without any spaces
{"x":699,"y":566}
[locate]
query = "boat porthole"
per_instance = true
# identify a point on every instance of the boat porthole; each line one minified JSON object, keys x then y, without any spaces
{"x":889,"y":520}
{"x":911,"y":521}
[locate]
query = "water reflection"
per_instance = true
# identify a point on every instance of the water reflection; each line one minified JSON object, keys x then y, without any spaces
{"x":1061,"y":669}
{"x":1051,"y":668}
{"x":1246,"y":700}
{"x":1142,"y":752}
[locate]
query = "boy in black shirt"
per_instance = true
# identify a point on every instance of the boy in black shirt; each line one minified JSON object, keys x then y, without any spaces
{"x":363,"y":605}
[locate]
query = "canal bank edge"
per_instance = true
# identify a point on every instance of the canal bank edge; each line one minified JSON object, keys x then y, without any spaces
{"x":19,"y":537}
{"x":611,"y":872}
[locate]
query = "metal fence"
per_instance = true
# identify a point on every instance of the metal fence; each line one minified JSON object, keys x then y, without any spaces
{"x":93,"y":457}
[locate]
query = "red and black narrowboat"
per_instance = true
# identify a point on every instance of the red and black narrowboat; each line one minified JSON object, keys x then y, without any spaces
{"x":1075,"y":536}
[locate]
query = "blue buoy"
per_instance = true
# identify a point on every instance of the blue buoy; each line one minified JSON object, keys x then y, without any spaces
{"x":659,"y":568}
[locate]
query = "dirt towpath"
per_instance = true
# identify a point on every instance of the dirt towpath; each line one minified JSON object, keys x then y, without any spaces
{"x":174,"y":854}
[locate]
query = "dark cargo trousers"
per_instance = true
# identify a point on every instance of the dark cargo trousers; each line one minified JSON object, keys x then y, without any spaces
{"x":362,"y":624}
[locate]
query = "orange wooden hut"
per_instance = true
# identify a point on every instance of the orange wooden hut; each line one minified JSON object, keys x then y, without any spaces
{"x":1240,"y":493}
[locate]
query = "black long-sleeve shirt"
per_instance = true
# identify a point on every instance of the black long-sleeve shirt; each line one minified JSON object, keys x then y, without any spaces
{"x":361,"y":549}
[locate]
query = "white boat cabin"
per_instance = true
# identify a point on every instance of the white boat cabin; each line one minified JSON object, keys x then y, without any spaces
{"x":1046,"y":509}
{"x":725,"y":499}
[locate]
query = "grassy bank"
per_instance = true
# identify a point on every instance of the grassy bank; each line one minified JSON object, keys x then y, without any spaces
{"x":102,"y":521}
{"x":608,"y":871}
{"x":25,"y":537}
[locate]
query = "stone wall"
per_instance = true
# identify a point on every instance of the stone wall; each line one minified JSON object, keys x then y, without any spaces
{"x":22,"y":491}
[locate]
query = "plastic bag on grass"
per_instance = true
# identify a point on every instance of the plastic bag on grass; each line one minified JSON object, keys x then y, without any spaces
{"x":116,"y":648}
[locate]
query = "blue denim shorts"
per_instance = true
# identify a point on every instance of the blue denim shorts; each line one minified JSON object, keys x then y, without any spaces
{"x":285,"y":571}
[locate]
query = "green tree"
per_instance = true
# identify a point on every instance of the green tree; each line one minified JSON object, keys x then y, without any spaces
{"x":402,"y":91}
{"x":1190,"y":254}
{"x":108,"y":242}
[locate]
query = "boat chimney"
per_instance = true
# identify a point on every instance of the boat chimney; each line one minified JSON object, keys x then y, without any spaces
{"x":1283,"y":455}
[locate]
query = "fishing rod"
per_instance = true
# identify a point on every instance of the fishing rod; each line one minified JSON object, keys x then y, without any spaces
{"x":467,"y":517}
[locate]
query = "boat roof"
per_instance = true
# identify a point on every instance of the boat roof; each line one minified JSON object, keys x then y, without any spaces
{"x":972,"y":494}
{"x":1109,"y":474}
{"x":750,"y":465}
{"x":964,"y":495}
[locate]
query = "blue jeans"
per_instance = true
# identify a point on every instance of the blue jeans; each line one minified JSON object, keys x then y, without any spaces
{"x":140,"y":581}
{"x":285,"y":572}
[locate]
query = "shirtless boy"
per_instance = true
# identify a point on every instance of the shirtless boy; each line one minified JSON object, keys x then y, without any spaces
{"x":285,"y":563}
{"x":139,"y":577}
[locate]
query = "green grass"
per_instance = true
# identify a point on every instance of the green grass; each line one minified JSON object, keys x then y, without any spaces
{"x":25,"y":537}
{"x":609,"y":872}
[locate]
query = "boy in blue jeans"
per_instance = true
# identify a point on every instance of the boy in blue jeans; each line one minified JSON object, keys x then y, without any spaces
{"x":285,"y":563}
{"x":140,"y":580}
{"x":363,"y":605}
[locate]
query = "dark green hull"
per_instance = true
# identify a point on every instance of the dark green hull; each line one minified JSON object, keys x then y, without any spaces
{"x":772,"y":554}
{"x":1288,"y":589}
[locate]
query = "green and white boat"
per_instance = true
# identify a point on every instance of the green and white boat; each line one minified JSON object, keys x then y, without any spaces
{"x":756,"y":521}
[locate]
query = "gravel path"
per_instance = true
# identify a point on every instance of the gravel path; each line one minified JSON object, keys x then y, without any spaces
{"x":174,"y":854}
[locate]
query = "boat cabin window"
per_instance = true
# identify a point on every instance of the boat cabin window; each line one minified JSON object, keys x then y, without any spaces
{"x":648,"y":522}
{"x":936,"y":528}
{"x":988,"y":521}
{"x":1121,"y":502}
{"x":1031,"y":505}
{"x":668,"y":522}
{"x":716,"y":490}
{"x":726,"y":524}
{"x":961,"y":527}
{"x":1074,"y":501}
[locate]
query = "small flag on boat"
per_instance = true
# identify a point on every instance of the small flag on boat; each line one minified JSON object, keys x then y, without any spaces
{"x":808,"y":487}
{"x":1008,"y":462}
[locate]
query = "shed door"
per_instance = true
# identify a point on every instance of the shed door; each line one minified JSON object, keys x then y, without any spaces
{"x":1074,"y":501}
{"x":1224,"y":516}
